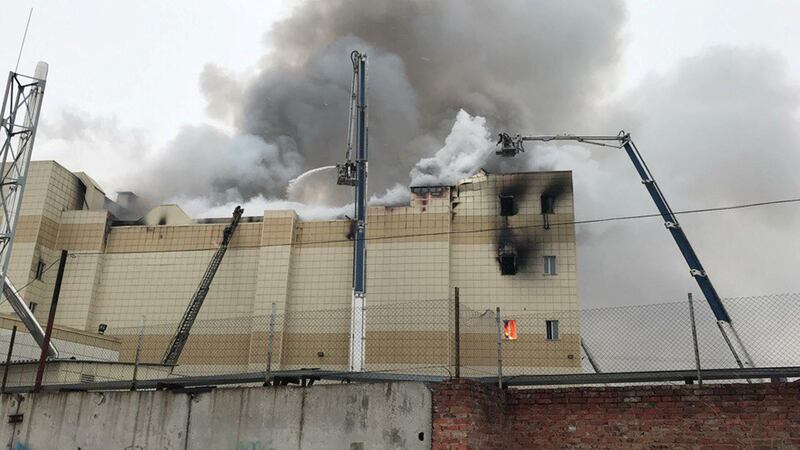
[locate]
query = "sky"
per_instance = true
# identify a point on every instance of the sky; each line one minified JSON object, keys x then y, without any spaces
{"x":139,"y":85}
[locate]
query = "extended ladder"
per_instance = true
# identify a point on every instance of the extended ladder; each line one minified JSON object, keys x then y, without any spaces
{"x":182,"y":334}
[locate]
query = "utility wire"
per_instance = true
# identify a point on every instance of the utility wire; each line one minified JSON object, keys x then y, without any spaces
{"x":474,"y":230}
{"x":490,"y":229}
{"x":4,"y":299}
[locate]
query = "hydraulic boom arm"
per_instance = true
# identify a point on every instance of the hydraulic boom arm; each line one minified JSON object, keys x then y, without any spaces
{"x":511,"y":145}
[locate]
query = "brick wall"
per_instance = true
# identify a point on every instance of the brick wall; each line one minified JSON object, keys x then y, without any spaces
{"x":467,"y":415}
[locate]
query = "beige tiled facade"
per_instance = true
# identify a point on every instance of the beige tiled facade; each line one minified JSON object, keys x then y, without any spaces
{"x":447,"y":237}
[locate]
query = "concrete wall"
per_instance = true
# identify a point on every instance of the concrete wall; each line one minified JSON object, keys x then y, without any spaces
{"x":365,"y":416}
{"x":468,"y":415}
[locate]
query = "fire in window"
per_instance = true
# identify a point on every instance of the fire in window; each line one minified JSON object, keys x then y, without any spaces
{"x":510,"y":330}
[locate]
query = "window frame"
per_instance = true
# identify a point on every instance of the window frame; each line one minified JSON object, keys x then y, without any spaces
{"x":546,"y":263}
{"x":508,"y":205}
{"x":38,"y":273}
{"x":551,"y":331}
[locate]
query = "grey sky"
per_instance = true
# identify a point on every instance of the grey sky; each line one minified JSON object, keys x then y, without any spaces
{"x":128,"y":75}
{"x":129,"y":59}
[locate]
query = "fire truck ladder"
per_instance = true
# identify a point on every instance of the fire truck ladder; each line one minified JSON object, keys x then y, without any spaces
{"x":182,"y":334}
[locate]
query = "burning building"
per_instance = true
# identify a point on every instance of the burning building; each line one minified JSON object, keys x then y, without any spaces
{"x":505,"y":240}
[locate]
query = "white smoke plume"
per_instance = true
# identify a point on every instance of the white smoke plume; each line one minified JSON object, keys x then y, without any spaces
{"x":465,"y":150}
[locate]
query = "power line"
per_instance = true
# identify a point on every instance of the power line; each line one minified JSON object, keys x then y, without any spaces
{"x":475,"y":230}
{"x":517,"y":227}
{"x":4,"y":299}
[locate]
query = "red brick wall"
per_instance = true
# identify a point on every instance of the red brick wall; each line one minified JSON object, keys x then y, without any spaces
{"x":467,"y":415}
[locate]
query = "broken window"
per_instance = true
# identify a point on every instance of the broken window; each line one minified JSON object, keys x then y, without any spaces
{"x":551,"y":330}
{"x":549,"y":265}
{"x":507,"y":257}
{"x":548,"y":204}
{"x":508,"y":206}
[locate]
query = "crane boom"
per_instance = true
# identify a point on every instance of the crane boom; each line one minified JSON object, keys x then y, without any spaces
{"x":353,"y":172}
{"x":511,"y":145}
{"x":182,"y":334}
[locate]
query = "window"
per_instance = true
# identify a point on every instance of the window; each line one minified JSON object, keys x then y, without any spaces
{"x":39,"y":269}
{"x":510,"y":330}
{"x":507,"y":257}
{"x":32,"y":306}
{"x":507,"y":205}
{"x":549,"y":265}
{"x":551,"y":330}
{"x":548,"y":204}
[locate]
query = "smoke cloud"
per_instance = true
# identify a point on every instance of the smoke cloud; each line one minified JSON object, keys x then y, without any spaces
{"x":427,"y":62}
{"x":719,"y":128}
{"x":465,"y":150}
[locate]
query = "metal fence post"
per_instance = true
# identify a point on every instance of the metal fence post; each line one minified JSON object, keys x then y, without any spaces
{"x":138,"y":353}
{"x":499,"y":348}
{"x":269,"y":343}
{"x":8,"y":358}
{"x":694,"y":341}
{"x":457,"y":337}
{"x":590,"y":357}
{"x":50,"y":319}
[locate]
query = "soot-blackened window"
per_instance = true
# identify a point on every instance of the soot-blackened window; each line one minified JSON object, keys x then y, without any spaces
{"x":508,"y":207}
{"x":548,"y":204}
{"x":507,"y":258}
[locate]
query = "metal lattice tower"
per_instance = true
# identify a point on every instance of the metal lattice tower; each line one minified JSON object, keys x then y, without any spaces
{"x":22,"y":104}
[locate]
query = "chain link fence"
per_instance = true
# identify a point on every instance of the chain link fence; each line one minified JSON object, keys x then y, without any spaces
{"x":431,"y":337}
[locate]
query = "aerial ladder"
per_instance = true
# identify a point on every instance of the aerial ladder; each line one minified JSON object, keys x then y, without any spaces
{"x":512,"y":145}
{"x":19,"y":119}
{"x":184,"y":328}
{"x":353,"y":172}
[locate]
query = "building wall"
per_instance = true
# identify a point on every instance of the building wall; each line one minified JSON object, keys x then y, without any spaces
{"x":447,"y":237}
{"x":468,"y":415}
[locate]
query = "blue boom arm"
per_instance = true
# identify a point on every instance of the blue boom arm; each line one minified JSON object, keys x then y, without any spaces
{"x":671,"y":222}
{"x":512,"y":145}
